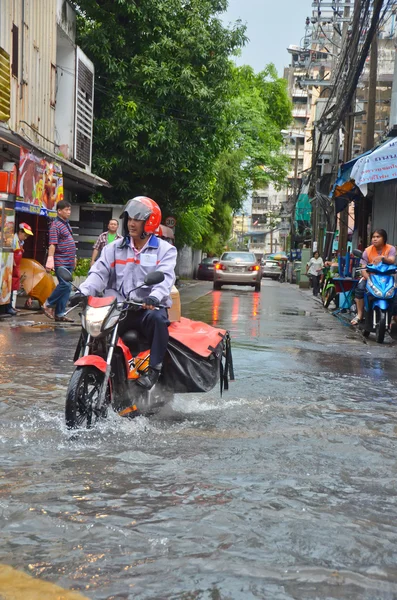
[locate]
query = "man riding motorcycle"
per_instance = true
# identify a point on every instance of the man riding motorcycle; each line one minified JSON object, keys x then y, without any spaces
{"x":122,"y":267}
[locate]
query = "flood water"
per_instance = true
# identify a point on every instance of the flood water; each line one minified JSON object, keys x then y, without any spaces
{"x":284,"y":488}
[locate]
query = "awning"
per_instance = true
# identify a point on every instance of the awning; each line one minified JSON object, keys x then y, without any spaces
{"x":75,"y":178}
{"x":257,"y":233}
{"x":378,"y":165}
{"x":345,"y":170}
{"x":303,"y":208}
{"x":344,"y":189}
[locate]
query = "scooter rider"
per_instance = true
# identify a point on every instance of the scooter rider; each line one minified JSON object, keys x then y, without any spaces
{"x":379,"y":251}
{"x":122,"y":267}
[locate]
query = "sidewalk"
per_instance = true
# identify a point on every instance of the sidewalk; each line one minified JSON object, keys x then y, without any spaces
{"x":189,"y":290}
{"x":343,"y":317}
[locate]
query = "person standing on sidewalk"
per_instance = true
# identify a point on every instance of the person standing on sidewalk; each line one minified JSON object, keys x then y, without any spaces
{"x":24,"y":231}
{"x":314,"y":268}
{"x":105,"y":238}
{"x":61,"y":253}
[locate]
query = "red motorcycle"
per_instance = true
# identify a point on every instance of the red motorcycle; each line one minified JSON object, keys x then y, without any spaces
{"x":108,"y":366}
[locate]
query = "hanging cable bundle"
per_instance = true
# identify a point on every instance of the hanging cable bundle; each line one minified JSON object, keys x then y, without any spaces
{"x":366,"y":18}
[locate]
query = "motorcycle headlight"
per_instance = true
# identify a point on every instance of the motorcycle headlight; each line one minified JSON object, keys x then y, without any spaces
{"x":94,"y":319}
{"x":374,"y":289}
{"x":390,"y":293}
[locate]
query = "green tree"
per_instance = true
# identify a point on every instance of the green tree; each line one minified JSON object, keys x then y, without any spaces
{"x":174,"y":118}
{"x":259,"y":109}
{"x":163,"y":77}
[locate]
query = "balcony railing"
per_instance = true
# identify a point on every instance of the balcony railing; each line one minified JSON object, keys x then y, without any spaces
{"x":298,"y":111}
{"x":291,"y":152}
{"x":298,"y":93}
{"x":255,"y":247}
{"x":260,"y":206}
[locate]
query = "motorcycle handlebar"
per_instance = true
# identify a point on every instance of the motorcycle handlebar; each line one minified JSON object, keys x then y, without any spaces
{"x":131,"y":302}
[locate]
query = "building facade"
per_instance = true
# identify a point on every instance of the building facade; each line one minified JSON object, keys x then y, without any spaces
{"x":46,"y":111}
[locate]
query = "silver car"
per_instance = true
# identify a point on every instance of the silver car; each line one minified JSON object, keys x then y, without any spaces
{"x":271,"y":268}
{"x":238,"y":268}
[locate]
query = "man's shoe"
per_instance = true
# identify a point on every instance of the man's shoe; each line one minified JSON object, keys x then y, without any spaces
{"x":48,"y":311}
{"x":149,"y":379}
{"x":63,"y":319}
{"x":10,"y":311}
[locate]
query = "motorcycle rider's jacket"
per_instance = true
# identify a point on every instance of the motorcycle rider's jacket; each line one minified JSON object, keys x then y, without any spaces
{"x":371,"y":253}
{"x":120,"y":269}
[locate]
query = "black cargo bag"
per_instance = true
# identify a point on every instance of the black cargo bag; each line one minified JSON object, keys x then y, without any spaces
{"x":197,"y":357}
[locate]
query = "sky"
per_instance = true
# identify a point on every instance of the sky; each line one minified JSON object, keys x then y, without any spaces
{"x":272,"y":25}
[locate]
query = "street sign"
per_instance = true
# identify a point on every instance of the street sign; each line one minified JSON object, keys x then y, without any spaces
{"x":170,"y":222}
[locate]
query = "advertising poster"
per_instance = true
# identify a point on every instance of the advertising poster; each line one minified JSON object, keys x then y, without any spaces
{"x":6,"y":262}
{"x":40,"y":185}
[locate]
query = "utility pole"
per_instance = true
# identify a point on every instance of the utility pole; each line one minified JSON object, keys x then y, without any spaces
{"x":370,"y":134}
{"x":371,"y":109}
{"x":295,"y":193}
{"x":349,"y":132}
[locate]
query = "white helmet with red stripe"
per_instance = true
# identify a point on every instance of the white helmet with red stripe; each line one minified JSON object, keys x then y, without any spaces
{"x":25,"y":228}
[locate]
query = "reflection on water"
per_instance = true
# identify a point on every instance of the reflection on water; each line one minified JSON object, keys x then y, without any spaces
{"x":216,"y":301}
{"x":235,"y":309}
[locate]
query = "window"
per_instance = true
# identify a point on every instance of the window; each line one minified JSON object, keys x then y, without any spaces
{"x":259,"y":219}
{"x":239,"y":256}
{"x":53,"y":85}
{"x":15,"y":51}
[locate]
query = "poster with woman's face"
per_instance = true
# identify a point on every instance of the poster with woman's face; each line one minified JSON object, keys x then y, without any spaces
{"x":6,"y":261}
{"x":40,"y":184}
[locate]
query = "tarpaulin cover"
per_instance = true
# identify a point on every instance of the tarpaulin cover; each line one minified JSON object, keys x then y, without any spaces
{"x":378,"y":165}
{"x":197,"y":336}
{"x":193,"y":362}
{"x":344,"y":189}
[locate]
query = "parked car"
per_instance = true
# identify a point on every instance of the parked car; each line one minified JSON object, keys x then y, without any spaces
{"x":271,"y":268}
{"x":205,"y":270}
{"x":238,"y":268}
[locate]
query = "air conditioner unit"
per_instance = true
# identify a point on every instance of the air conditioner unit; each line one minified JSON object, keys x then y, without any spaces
{"x":84,"y":109}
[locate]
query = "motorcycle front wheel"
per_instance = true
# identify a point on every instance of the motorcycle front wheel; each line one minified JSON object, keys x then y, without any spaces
{"x":82,"y":395}
{"x":328,"y":296}
{"x":380,"y":326}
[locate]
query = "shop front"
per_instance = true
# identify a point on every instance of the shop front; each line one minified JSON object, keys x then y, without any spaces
{"x":32,"y":182}
{"x":44,"y":178}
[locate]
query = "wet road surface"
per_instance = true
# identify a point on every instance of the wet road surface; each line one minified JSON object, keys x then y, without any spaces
{"x":284,"y":488}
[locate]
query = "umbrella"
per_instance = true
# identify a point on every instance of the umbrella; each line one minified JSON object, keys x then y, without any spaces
{"x":278,"y":257}
{"x":35,"y":280}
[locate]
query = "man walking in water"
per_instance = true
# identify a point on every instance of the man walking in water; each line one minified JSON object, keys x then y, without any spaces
{"x":61,"y":253}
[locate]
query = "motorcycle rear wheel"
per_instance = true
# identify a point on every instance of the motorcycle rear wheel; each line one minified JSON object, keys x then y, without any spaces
{"x":380,"y":326}
{"x":82,"y":395}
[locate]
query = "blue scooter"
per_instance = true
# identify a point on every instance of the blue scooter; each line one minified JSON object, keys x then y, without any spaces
{"x":378,"y":299}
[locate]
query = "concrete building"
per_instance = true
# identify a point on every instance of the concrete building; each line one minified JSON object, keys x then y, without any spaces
{"x":270,"y":224}
{"x":46,"y":111}
{"x":241,"y":226}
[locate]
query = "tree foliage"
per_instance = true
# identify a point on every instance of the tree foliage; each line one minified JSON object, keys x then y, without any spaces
{"x":174,"y":118}
{"x":259,"y":109}
{"x":162,"y":84}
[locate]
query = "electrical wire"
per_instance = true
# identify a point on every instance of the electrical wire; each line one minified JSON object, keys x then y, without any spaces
{"x":351,"y":64}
